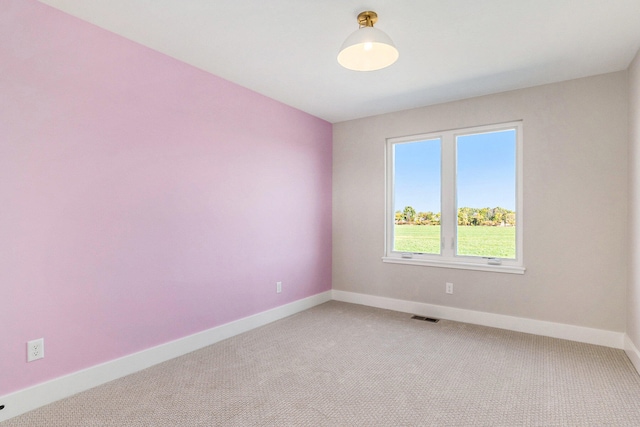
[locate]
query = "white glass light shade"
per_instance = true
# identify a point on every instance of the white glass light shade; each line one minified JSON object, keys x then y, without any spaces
{"x":367,"y":49}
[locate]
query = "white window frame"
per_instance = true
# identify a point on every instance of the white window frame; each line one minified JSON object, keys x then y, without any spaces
{"x":448,"y":239}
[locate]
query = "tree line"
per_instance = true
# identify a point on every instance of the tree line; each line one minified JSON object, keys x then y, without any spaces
{"x":466,"y":216}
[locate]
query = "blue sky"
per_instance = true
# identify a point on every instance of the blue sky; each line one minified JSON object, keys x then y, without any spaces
{"x":485,"y":175}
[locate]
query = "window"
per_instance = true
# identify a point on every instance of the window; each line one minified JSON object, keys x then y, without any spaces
{"x":454,"y":199}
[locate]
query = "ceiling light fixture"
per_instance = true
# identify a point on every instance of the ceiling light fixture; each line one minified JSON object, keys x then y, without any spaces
{"x":367,"y":48}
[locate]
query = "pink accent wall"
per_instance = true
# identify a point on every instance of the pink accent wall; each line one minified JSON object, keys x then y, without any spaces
{"x":142,"y":200}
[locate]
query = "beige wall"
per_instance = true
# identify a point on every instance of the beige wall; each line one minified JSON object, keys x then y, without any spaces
{"x":575,"y":189}
{"x":633,"y":293}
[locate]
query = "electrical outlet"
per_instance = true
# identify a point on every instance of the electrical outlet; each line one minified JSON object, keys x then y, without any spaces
{"x":278,"y":287}
{"x":35,"y":349}
{"x":449,"y":288}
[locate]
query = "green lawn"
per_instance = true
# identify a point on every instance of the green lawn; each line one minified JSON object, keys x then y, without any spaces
{"x":497,"y":242}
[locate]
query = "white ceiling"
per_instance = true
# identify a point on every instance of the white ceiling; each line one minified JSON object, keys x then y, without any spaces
{"x":449,"y":49}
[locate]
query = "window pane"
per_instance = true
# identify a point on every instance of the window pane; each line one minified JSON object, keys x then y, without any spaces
{"x":486,"y":194}
{"x":417,"y":197}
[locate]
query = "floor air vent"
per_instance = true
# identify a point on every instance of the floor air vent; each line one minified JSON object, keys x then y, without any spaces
{"x":426,"y":319}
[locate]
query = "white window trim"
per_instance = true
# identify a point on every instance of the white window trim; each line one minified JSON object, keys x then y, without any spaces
{"x":447,"y":257}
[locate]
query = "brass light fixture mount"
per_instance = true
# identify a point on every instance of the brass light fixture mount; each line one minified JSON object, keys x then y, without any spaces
{"x":367,"y":18}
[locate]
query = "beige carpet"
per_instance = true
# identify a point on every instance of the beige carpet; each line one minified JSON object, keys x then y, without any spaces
{"x":346,"y":365}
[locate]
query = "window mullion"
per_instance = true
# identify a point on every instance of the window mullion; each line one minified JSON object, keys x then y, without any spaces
{"x":448,"y":216}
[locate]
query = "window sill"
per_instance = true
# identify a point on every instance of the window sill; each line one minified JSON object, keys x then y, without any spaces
{"x":510,"y":269}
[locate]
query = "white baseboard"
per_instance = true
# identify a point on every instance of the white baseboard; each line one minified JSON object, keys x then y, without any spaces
{"x":632,"y":352}
{"x":42,"y":394}
{"x":519,"y":324}
{"x":31,"y":398}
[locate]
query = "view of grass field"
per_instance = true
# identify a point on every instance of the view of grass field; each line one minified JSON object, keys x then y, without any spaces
{"x":499,"y":242}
